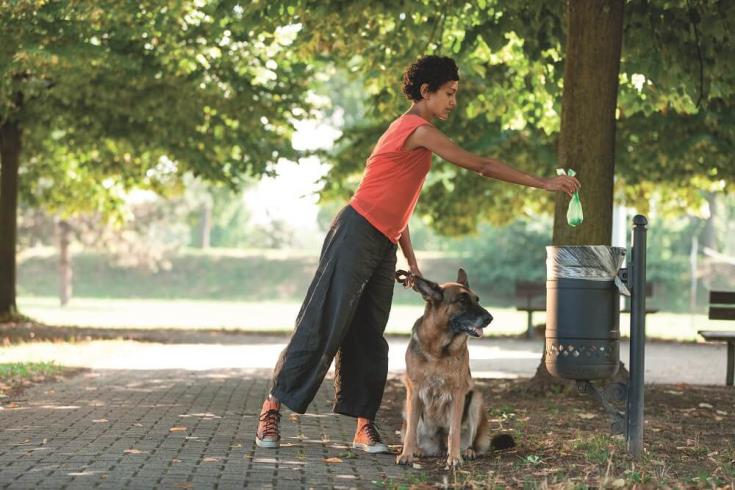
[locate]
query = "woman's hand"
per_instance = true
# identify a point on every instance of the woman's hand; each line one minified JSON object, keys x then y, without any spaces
{"x":414,"y":269}
{"x":562,"y":183}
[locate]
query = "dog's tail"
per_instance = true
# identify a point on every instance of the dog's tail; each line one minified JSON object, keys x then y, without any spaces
{"x":502,"y":441}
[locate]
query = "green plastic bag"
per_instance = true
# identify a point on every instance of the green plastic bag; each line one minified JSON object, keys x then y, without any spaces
{"x":574,"y":211}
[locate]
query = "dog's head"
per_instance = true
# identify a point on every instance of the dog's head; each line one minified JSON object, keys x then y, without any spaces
{"x":453,"y":301}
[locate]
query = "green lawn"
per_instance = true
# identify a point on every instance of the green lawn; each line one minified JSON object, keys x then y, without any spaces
{"x":245,"y":289}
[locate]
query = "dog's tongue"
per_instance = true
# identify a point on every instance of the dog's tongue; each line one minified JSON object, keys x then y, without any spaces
{"x":478,"y":331}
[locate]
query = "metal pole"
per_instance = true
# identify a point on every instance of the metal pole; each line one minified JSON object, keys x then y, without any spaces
{"x":634,"y":432}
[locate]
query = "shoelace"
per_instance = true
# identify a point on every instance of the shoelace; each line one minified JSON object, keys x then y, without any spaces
{"x":271,"y":419}
{"x":372,"y":432}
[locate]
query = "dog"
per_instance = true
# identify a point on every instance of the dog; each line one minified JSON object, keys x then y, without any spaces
{"x":443,"y":413}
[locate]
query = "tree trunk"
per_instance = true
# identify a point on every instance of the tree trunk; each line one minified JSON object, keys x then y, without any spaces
{"x":65,"y":269}
{"x":709,"y":233}
{"x":206,"y":222}
{"x":587,"y":139}
{"x":9,"y":160}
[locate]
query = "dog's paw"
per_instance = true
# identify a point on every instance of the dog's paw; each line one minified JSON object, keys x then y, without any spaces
{"x":405,"y":458}
{"x":469,"y":454}
{"x":454,"y":461}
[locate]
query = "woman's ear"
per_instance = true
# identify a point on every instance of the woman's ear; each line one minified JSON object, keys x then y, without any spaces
{"x":424,"y":90}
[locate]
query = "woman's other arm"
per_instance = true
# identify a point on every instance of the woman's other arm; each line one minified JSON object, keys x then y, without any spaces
{"x":407,"y":249}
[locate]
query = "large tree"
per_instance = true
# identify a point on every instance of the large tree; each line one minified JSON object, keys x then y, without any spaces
{"x":133,"y":92}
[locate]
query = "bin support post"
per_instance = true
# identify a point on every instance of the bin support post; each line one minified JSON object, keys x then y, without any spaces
{"x":634,"y":409}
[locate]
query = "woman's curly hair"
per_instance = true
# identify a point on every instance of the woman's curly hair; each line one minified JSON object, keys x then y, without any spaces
{"x":434,"y":70}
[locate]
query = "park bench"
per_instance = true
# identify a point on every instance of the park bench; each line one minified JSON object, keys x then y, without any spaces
{"x":722,"y":307}
{"x":531,"y":296}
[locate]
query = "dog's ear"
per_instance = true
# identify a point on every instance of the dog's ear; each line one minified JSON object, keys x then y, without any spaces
{"x":462,"y":278}
{"x":429,"y":290}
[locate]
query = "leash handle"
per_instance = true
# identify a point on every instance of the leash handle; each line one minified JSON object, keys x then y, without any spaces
{"x":405,"y":278}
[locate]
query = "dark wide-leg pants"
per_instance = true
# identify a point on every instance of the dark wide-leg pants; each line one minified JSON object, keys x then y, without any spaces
{"x":344,"y":315}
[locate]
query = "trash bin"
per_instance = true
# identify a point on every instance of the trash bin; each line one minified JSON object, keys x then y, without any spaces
{"x":583,"y":311}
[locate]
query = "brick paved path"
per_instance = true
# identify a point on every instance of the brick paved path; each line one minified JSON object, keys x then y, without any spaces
{"x":177,"y":429}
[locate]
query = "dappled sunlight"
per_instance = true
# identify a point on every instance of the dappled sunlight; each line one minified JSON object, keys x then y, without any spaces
{"x":244,"y":356}
{"x":141,"y":355}
{"x":478,"y":352}
{"x":279,"y":316}
{"x":86,"y":473}
{"x":203,"y":416}
{"x":496,"y":374}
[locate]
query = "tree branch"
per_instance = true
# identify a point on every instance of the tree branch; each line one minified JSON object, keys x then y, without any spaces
{"x":692,"y":15}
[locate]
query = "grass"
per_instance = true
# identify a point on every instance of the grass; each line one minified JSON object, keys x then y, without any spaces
{"x":597,"y":447}
{"x":214,"y":275}
{"x":17,"y":374}
{"x":27,"y":370}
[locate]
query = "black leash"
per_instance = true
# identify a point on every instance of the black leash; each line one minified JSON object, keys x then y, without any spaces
{"x":405,"y":278}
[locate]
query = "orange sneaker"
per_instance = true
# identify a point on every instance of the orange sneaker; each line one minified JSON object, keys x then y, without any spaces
{"x":368,"y":439}
{"x":268,"y":435}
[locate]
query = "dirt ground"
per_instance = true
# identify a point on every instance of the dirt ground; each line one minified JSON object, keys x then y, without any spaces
{"x":564,"y":441}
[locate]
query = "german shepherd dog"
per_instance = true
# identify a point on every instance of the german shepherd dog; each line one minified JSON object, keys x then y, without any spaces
{"x":444,"y":415}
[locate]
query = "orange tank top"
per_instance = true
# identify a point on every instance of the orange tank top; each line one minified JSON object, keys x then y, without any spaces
{"x":393,"y":178}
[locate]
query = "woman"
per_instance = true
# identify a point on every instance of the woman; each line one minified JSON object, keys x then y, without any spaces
{"x":348,"y":302}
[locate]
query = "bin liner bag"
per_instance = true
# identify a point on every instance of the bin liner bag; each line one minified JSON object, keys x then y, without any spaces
{"x":591,"y":262}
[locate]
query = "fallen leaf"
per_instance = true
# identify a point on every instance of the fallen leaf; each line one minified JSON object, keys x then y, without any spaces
{"x":705,"y":405}
{"x":210,"y":460}
{"x":100,"y":421}
{"x":187,"y":484}
{"x":177,"y":429}
{"x":721,"y":412}
{"x":332,"y":460}
{"x":133,"y":451}
{"x":672,"y":392}
{"x":293,"y":417}
{"x":619,"y":483}
{"x":587,"y":416}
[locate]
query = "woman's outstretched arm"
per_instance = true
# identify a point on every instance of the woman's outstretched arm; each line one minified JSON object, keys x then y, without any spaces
{"x":431,"y":138}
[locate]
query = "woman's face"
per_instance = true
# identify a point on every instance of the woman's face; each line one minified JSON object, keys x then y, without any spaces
{"x":443,"y":100}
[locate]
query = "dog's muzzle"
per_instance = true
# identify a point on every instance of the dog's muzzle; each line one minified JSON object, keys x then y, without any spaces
{"x":471,"y":323}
